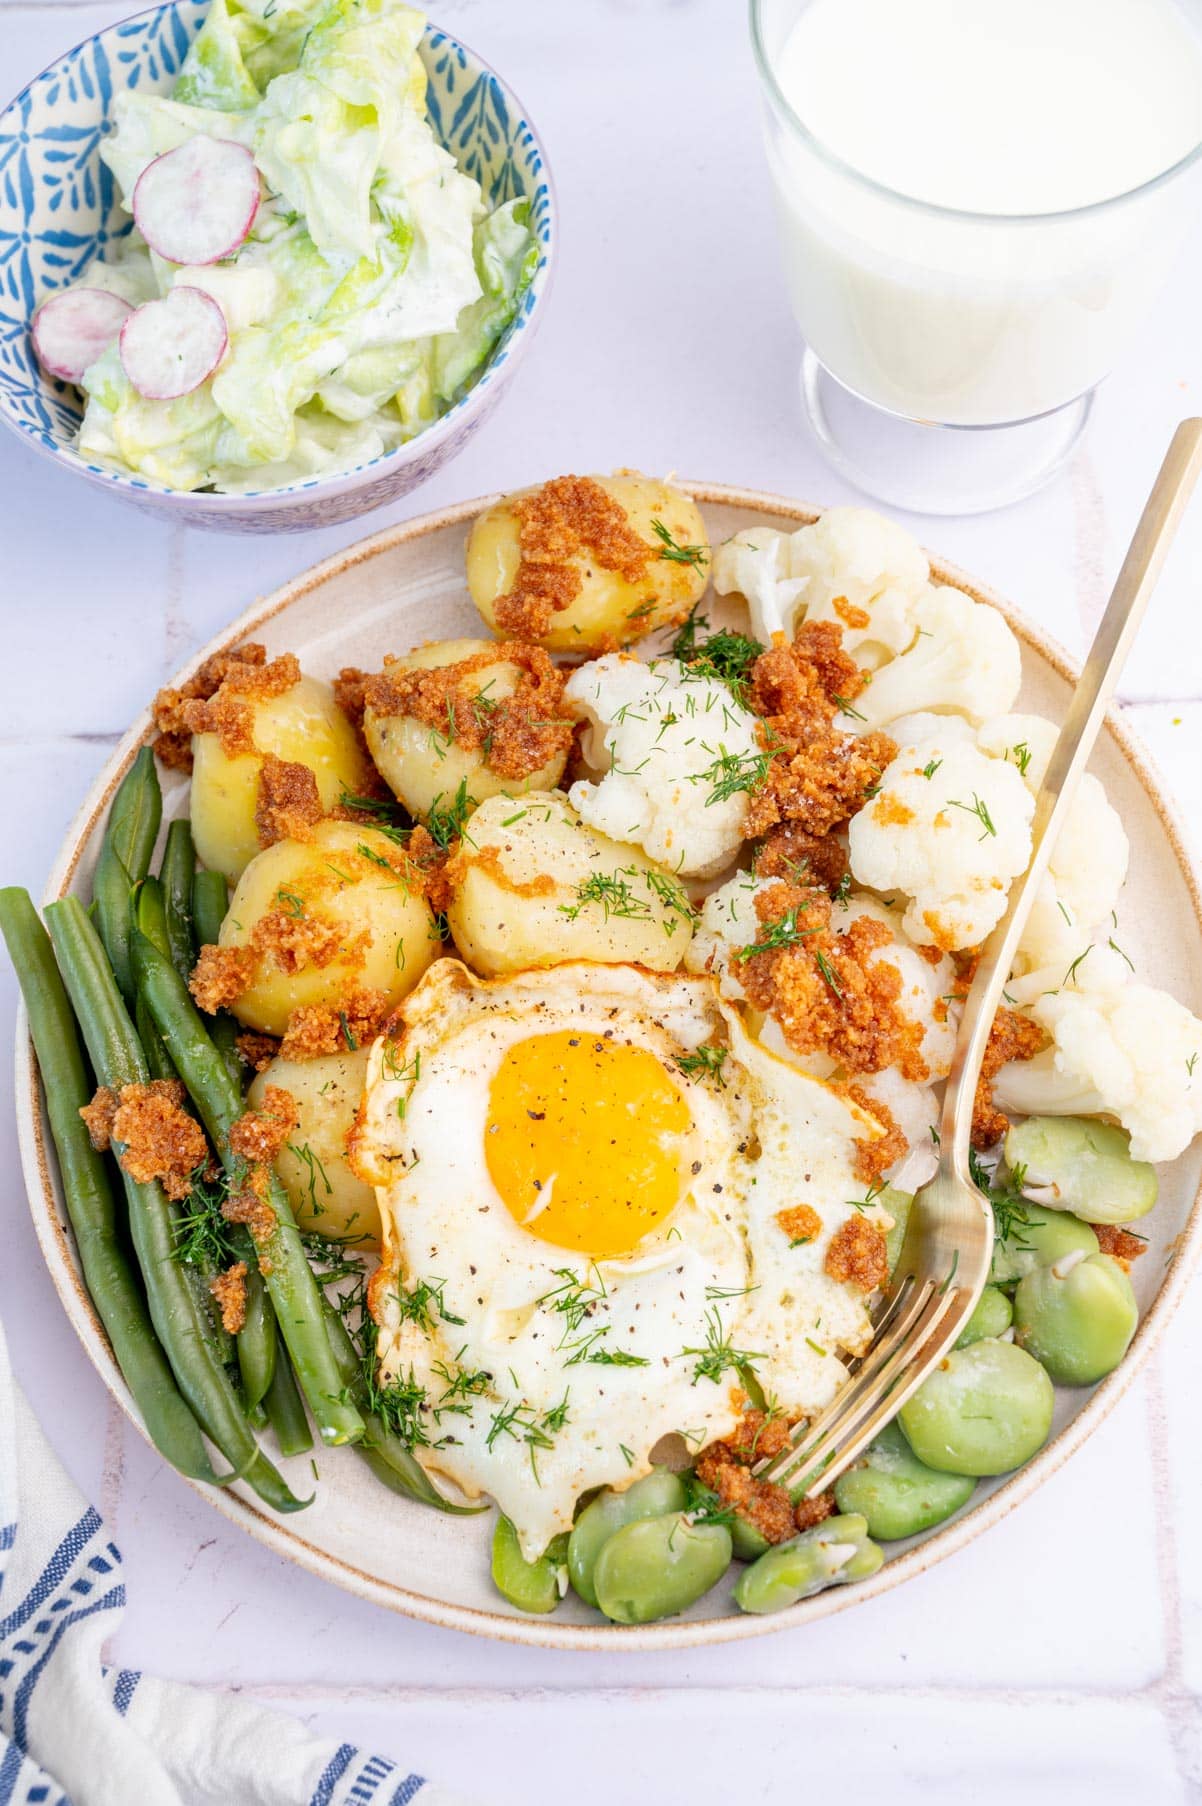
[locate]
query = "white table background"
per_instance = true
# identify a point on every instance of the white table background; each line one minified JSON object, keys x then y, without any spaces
{"x":1060,"y":1657}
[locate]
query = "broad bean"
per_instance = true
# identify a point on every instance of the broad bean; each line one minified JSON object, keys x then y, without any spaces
{"x":831,"y":1554}
{"x":984,"y":1410}
{"x":897,"y":1494}
{"x":992,"y":1317}
{"x":1087,"y":1164}
{"x":1036,"y":1237}
{"x":656,"y":1567}
{"x":1077,"y":1318}
{"x":533,"y":1586}
{"x":656,"y":1494}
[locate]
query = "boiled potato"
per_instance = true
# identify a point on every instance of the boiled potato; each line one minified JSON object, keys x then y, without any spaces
{"x":350,"y":879}
{"x":424,"y":765}
{"x":535,"y":887}
{"x":324,"y":1193}
{"x":608,"y":609}
{"x":305,"y":726}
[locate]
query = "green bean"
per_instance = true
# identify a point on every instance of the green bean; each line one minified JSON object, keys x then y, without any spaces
{"x":985,"y":1410}
{"x":158,"y":1060}
{"x":91,"y":1205}
{"x":286,"y":1410}
{"x":390,"y":1459}
{"x":117,"y":1059}
{"x":125,"y":854}
{"x":896,"y":1493}
{"x":656,"y":1494}
{"x":199,"y":1275}
{"x":176,"y":874}
{"x":832,"y":1554}
{"x":532,"y":1586}
{"x":258,"y":1342}
{"x":1077,"y":1318}
{"x":210,"y":901}
{"x":289,"y":1278}
{"x":656,"y":1567}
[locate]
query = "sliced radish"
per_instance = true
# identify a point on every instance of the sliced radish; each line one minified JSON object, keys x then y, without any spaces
{"x":72,"y":329}
{"x":168,"y":347}
{"x":196,"y":204}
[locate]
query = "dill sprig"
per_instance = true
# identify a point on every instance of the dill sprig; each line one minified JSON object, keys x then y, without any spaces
{"x":719,"y":1355}
{"x":725,"y":656}
{"x":731,"y":773}
{"x":674,"y":552}
{"x":202,"y":1235}
{"x":707,"y":1061}
{"x":786,"y":932}
{"x":978,"y":808}
{"x":611,"y":893}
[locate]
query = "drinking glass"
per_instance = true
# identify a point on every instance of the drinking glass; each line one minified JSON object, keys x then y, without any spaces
{"x":951,"y":357}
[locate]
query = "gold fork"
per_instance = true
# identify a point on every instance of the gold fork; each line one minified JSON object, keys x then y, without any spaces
{"x":948,"y":1245}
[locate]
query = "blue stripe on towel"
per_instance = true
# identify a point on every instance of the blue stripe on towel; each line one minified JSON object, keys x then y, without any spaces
{"x":367,"y":1781}
{"x":123,"y":1691}
{"x":408,"y":1790}
{"x":54,"y":1571}
{"x":337,"y":1766}
{"x":109,"y":1603}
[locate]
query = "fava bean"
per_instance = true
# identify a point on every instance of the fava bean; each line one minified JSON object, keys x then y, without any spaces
{"x":1036,"y":1237}
{"x":831,"y":1554}
{"x":992,"y":1317}
{"x":1086,"y":1164}
{"x":897,"y":1203}
{"x":1077,"y":1318}
{"x":656,"y":1567}
{"x":984,"y":1410}
{"x":747,"y":1542}
{"x":532,"y":1586}
{"x":896,"y":1493}
{"x":655,"y":1495}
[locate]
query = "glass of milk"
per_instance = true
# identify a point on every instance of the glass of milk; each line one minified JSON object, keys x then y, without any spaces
{"x":978,"y":201}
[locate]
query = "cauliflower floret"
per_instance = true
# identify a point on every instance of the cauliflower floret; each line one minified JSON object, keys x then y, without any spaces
{"x":1118,"y":1049}
{"x":1089,"y":861}
{"x":852,"y":566}
{"x":675,"y":756}
{"x":950,"y":828}
{"x":965,"y":661}
{"x":727,"y":924}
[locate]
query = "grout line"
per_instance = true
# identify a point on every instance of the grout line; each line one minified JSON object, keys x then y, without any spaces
{"x":1178,"y":1706}
{"x":1089,"y":542}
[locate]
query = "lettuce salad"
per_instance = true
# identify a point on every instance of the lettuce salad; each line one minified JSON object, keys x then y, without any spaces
{"x":374,"y":282}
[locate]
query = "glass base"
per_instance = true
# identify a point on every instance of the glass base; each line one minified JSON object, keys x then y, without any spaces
{"x":931,"y":469}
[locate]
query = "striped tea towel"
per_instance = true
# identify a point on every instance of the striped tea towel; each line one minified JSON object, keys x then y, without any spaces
{"x":75,"y":1733}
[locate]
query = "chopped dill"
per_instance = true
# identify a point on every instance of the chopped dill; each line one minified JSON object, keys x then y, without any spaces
{"x":706,"y":1060}
{"x":978,"y":808}
{"x":719,"y":1355}
{"x":787,"y":932}
{"x":674,"y":552}
{"x":446,"y":821}
{"x":731,"y":773}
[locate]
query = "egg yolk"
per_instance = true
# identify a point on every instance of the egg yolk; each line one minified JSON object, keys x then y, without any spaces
{"x":583,"y":1141}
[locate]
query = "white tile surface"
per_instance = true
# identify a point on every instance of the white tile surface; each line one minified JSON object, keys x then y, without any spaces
{"x":1060,"y":1657}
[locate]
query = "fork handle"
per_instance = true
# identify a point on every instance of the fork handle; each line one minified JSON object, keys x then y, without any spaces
{"x":1125,"y":610}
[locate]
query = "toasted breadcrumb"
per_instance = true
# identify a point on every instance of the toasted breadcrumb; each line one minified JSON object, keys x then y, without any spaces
{"x":790,"y":852}
{"x":314,"y":1030}
{"x":250,"y":1206}
{"x":875,"y":1156}
{"x":1012,"y":1037}
{"x":154,"y":1135}
{"x":801,"y":1222}
{"x":825,"y":990}
{"x":98,"y":1118}
{"x":257,"y":1051}
{"x":299,"y":942}
{"x":808,"y":1512}
{"x":174,"y":742}
{"x":515,"y":735}
{"x":567,"y":516}
{"x":1119,"y":1244}
{"x":348,"y":694}
{"x":287,"y":802}
{"x":229,"y":1289}
{"x":220,"y":976}
{"x":725,"y":1467}
{"x":258,"y":1135}
{"x":818,"y":776}
{"x":857,"y":1254}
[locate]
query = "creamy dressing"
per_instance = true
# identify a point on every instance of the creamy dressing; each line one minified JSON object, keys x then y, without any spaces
{"x":1032,"y":107}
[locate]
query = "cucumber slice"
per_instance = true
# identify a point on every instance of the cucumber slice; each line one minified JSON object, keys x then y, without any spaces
{"x":1085,"y":1165}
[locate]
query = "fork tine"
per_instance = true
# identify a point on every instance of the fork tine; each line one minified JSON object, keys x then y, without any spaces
{"x":905,"y":1383}
{"x":866,"y":1391}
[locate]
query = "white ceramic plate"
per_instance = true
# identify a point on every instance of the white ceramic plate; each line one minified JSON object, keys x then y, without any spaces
{"x":386,"y":594}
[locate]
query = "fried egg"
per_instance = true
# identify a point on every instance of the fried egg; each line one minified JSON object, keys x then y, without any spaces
{"x":584,"y":1176}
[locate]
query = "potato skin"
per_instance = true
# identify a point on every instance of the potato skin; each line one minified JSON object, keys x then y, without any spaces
{"x":303,"y":725}
{"x":516,"y":881}
{"x":376,"y":900}
{"x":609,"y":611}
{"x":325,"y":1195}
{"x":419,"y":765}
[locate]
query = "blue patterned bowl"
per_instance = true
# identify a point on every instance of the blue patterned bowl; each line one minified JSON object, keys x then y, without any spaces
{"x":58,"y":210}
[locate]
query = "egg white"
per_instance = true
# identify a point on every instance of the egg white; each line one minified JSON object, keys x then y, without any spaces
{"x":549,"y":1422}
